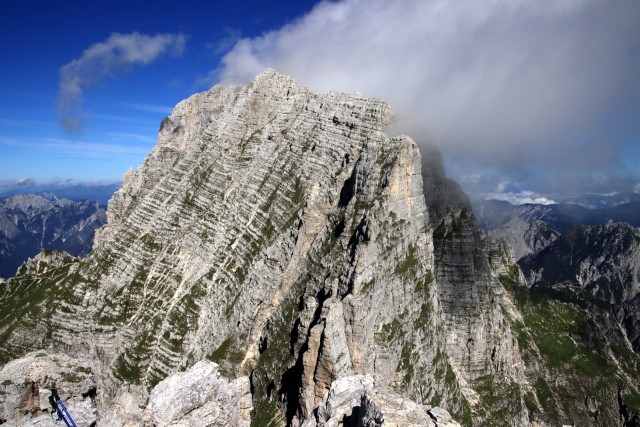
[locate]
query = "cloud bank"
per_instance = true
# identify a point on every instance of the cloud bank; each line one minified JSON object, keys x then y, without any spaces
{"x":116,"y":55}
{"x":519,"y":88}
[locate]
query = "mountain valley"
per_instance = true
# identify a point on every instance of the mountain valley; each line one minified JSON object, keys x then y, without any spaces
{"x":30,"y":223}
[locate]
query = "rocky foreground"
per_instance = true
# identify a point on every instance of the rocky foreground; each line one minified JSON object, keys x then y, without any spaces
{"x":278,"y":259}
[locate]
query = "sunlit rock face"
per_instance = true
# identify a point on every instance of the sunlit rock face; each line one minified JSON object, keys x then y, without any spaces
{"x":278,"y":242}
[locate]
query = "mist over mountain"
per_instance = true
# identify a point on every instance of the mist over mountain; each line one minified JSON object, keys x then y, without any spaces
{"x":279,"y":259}
{"x":561,"y":216}
{"x":595,"y":201}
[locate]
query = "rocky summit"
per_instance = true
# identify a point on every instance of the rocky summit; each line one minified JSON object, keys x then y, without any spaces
{"x":278,"y":259}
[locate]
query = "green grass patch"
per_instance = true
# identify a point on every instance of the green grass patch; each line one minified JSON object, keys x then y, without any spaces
{"x":390,"y":331}
{"x":409,"y":262}
{"x":267,"y":414}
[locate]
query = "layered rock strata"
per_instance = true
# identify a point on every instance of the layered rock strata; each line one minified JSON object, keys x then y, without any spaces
{"x":281,"y":234}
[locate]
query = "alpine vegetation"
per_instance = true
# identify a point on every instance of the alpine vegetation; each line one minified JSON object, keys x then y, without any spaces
{"x":278,"y":259}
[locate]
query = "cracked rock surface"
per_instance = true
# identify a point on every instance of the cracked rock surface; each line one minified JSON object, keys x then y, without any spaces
{"x":277,"y":255}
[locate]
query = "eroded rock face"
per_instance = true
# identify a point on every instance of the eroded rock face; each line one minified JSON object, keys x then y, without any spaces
{"x":281,"y":234}
{"x":284,"y":235}
{"x":264,"y":231}
{"x":200,"y":396}
{"x":354,"y":401}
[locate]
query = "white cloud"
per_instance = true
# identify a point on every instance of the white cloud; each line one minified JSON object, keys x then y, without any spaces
{"x":521,"y":198}
{"x":22,"y":182}
{"x":152,"y":108}
{"x":502,"y":186}
{"x":113,"y":56}
{"x":230,"y":37}
{"x":510,"y":85}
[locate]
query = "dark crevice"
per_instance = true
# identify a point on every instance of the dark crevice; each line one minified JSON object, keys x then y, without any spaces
{"x":270,"y":388}
{"x":294,"y":335}
{"x":264,"y":339}
{"x":361,"y":234}
{"x":347,"y":282}
{"x":252,"y":383}
{"x":290,"y":386}
{"x":321,"y":297}
{"x":348,"y":189}
{"x":353,"y":419}
{"x":91,"y":393}
{"x":263,"y":343}
{"x":433,"y":418}
{"x":292,"y":379}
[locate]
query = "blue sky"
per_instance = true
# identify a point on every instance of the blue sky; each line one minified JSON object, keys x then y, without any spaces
{"x":526,"y":100}
{"x":121,"y":113}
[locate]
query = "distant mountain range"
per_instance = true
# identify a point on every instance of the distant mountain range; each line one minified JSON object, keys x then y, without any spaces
{"x":277,"y":255}
{"x":492,"y":214}
{"x":30,"y":223}
{"x":595,"y":267}
{"x":598,"y":201}
{"x":572,"y":253}
{"x":78,"y":192}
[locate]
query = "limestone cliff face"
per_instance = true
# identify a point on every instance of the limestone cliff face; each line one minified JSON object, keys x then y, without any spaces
{"x":281,"y":234}
{"x":275,"y":231}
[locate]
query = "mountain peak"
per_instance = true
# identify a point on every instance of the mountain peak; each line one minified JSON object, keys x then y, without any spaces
{"x":282,"y":235}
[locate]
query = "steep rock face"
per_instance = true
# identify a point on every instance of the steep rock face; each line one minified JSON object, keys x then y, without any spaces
{"x":30,"y":223}
{"x":479,"y":336}
{"x":597,"y":265}
{"x":282,"y":235}
{"x":266,"y":215}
